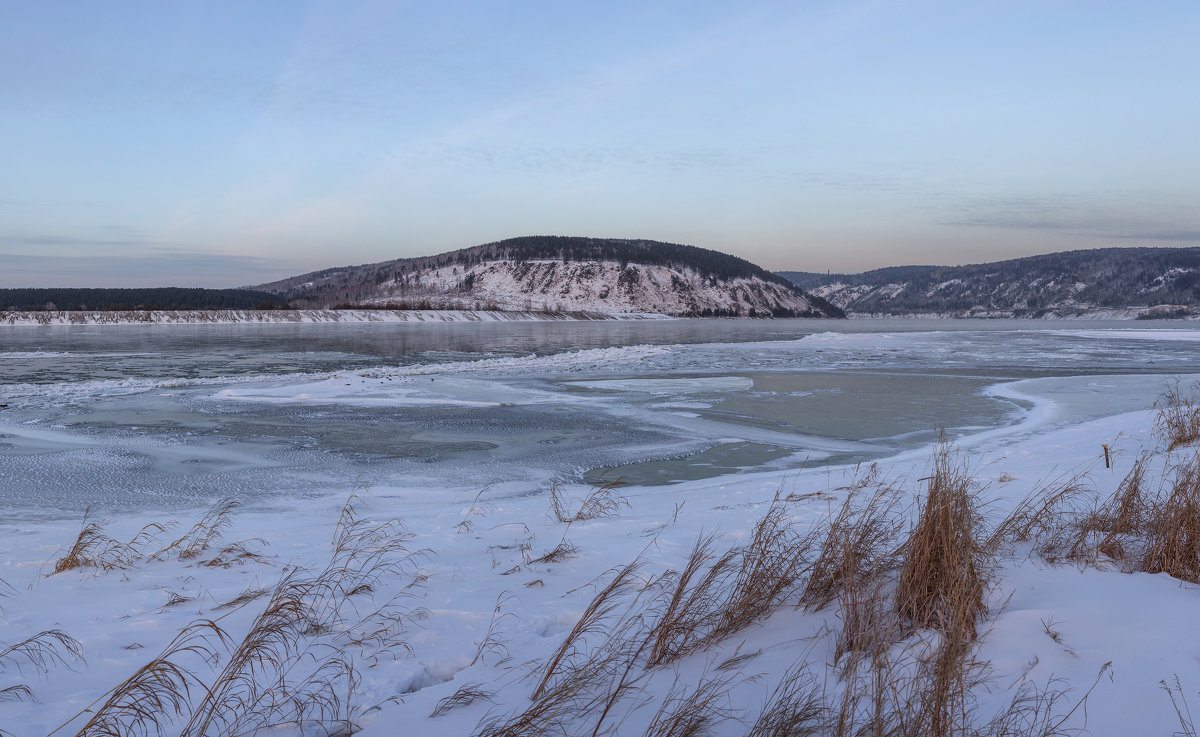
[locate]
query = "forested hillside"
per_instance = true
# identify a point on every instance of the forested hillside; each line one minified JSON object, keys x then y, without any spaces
{"x":161,"y":298}
{"x":1068,"y":281}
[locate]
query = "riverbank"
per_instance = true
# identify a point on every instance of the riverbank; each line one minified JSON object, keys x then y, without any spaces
{"x":206,"y":317}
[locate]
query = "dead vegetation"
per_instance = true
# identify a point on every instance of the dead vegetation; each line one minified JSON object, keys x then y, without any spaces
{"x":93,"y":548}
{"x":464,"y":696}
{"x":1139,"y":528}
{"x":40,"y":653}
{"x":910,"y":586}
{"x":294,"y":667}
{"x":600,"y":501}
{"x":1178,"y":420}
{"x":942,"y":582}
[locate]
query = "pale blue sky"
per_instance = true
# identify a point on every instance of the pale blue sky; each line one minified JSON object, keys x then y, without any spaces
{"x":228,"y":143}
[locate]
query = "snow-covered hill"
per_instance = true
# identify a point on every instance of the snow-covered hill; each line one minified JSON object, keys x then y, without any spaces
{"x":594,"y":286}
{"x":552,"y":274}
{"x":1147,"y":282}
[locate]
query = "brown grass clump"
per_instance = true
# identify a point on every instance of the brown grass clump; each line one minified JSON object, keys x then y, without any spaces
{"x":691,"y":605}
{"x":741,"y":586}
{"x":859,"y":546}
{"x":600,"y":501}
{"x":491,"y":644}
{"x":296,"y":662}
{"x":202,"y":535}
{"x":694,"y":714}
{"x":557,"y":554}
{"x":1045,"y":518}
{"x":771,"y":568}
{"x":93,"y":549}
{"x":796,"y":708}
{"x":1178,"y":420}
{"x":593,"y":620}
{"x":1173,"y":544}
{"x":943,"y":579}
{"x":1111,"y":528}
{"x":464,"y":696}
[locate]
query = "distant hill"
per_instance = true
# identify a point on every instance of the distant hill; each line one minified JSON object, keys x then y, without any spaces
{"x":1065,"y":283}
{"x":158,"y":298}
{"x":559,"y":273}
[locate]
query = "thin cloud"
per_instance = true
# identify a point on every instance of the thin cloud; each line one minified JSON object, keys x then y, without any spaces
{"x":164,"y":269}
{"x":1074,"y":214}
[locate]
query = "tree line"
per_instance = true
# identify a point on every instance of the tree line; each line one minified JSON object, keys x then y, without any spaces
{"x":152,"y":298}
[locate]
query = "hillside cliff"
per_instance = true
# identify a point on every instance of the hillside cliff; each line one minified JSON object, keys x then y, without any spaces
{"x":554,"y":273}
{"x":1154,"y":281}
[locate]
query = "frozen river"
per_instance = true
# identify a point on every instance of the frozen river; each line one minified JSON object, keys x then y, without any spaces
{"x":137,"y":416}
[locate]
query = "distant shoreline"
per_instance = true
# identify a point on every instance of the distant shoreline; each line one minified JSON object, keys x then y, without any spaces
{"x":235,"y":317}
{"x":395,"y":316}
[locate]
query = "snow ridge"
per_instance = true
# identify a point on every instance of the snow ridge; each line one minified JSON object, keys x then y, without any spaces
{"x":595,"y":286}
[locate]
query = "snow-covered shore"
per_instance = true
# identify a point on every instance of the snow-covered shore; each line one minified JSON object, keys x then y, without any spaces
{"x":477,"y":606}
{"x":1125,"y":313}
{"x":205,"y":317}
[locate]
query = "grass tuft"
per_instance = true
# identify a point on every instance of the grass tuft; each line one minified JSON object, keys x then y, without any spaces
{"x":1173,"y":544}
{"x":600,"y":502}
{"x":94,"y":549}
{"x":942,"y":581}
{"x":465,"y":696}
{"x":1178,"y":420}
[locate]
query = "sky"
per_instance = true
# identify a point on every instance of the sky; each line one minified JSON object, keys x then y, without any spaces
{"x":224,"y":144}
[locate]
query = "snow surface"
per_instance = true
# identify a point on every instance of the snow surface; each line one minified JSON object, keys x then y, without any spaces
{"x":1056,"y":625}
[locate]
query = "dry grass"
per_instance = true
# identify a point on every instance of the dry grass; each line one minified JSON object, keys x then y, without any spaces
{"x":1178,"y":420}
{"x":600,"y":501}
{"x":491,"y":644}
{"x":796,"y":708}
{"x":594,"y":620}
{"x":247,"y":596}
{"x":1173,"y":530}
{"x":860,"y":544}
{"x":296,"y":663}
{"x":694,"y":713}
{"x":1045,"y":519}
{"x":1179,"y":703}
{"x":465,"y":696}
{"x":771,"y":569}
{"x":942,"y":581}
{"x":690,"y":609}
{"x":94,"y":549}
{"x":202,"y":535}
{"x":715,"y":596}
{"x":1136,"y":529}
{"x":40,"y":653}
{"x":467,"y":525}
{"x":906,"y":657}
{"x":1113,"y":527}
{"x":144,"y":703}
{"x":557,"y":554}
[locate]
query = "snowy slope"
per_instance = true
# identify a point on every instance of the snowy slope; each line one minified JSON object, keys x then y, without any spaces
{"x":594,"y":286}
